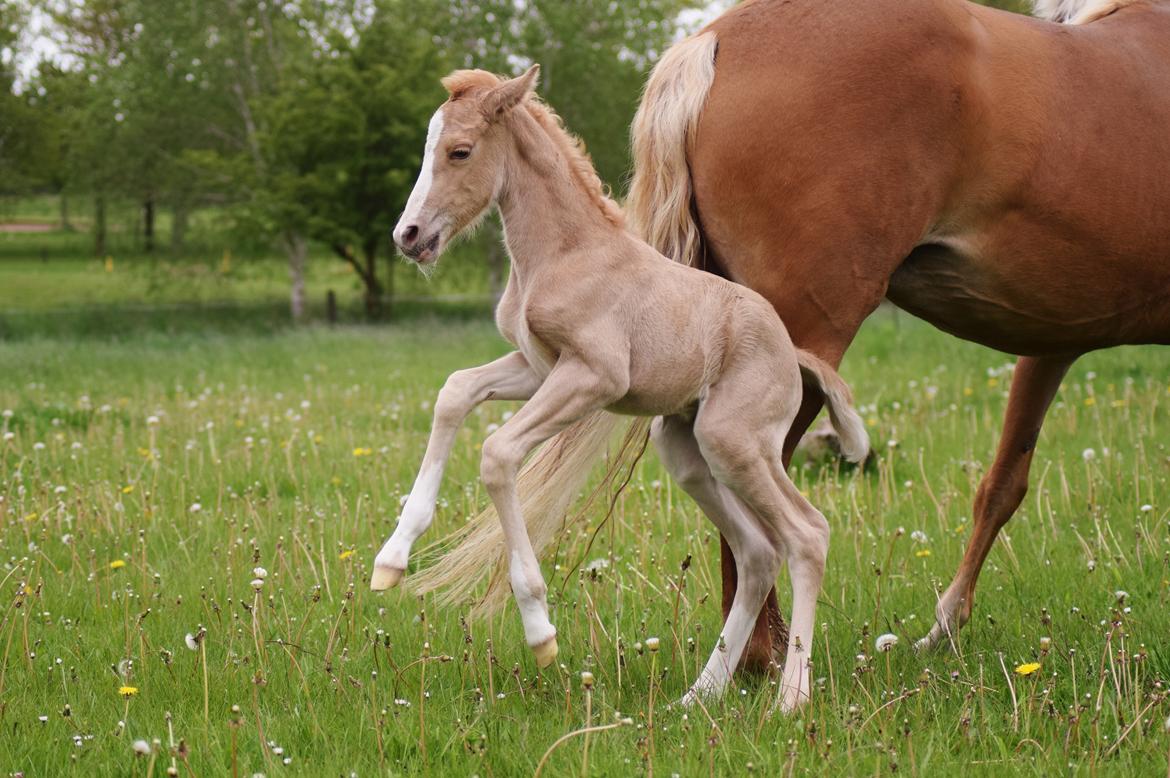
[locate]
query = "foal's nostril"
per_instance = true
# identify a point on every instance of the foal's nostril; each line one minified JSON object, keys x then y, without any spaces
{"x":409,"y":236}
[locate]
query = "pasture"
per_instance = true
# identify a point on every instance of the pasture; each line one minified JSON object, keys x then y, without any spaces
{"x":144,"y":478}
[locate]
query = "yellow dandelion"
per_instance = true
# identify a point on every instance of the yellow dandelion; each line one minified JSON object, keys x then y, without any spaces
{"x":922,"y":552}
{"x":363,"y":452}
{"x":968,"y":391}
{"x":128,"y":691}
{"x":335,"y":480}
{"x":1118,"y":404}
{"x":128,"y":489}
{"x":1090,"y":401}
{"x":992,"y":383}
{"x":871,"y":421}
{"x":1028,"y":668}
{"x":345,"y":554}
{"x":31,"y":517}
{"x":318,"y":438}
{"x":239,"y":423}
{"x":144,"y":452}
{"x":117,"y":564}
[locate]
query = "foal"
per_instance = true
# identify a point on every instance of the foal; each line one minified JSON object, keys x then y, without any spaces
{"x":601,"y":321}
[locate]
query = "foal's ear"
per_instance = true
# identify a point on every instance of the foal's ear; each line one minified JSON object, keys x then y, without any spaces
{"x":510,"y":93}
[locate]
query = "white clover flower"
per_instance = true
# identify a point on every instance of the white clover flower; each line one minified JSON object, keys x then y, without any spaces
{"x":886,"y":642}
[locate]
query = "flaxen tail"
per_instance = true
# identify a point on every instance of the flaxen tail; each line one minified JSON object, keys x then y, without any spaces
{"x":547,"y":484}
{"x":659,"y":208}
{"x":846,"y":421}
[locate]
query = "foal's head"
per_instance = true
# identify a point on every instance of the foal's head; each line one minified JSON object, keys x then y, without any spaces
{"x":463,"y":162}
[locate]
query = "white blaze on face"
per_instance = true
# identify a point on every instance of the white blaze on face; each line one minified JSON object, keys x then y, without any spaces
{"x":418,"y":197}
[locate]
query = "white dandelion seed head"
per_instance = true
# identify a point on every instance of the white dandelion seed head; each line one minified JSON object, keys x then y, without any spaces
{"x":259,"y":572}
{"x":152,"y":421}
{"x":652,"y":644}
{"x":1146,"y":508}
{"x":141,"y":747}
{"x":257,"y":583}
{"x":1121,"y":595}
{"x":191,"y":642}
{"x":195,"y":507}
{"x":1088,"y":455}
{"x":918,"y":536}
{"x":886,"y":642}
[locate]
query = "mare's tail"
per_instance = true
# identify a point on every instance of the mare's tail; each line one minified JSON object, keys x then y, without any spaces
{"x":659,"y":207}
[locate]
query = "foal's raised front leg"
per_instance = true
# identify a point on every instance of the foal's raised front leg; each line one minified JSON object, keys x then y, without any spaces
{"x":571,"y":391}
{"x":508,"y":378}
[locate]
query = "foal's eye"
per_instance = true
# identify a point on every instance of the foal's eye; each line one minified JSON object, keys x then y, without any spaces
{"x":461,"y":153}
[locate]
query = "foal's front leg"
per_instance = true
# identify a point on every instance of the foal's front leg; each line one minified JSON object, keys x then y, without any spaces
{"x":571,"y":391}
{"x":508,"y":378}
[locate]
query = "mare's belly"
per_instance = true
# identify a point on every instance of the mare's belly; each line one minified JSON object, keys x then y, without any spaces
{"x":1031,"y":306}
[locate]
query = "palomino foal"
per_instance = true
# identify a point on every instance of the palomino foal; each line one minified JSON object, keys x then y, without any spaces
{"x":600,"y":320}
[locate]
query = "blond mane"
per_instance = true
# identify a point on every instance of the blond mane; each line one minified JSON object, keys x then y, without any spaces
{"x":1077,"y":11}
{"x":469,"y":83}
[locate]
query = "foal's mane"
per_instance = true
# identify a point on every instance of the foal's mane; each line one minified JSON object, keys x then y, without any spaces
{"x":472,"y":83}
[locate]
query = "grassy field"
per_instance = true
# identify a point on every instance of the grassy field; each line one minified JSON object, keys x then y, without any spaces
{"x":144,"y":477}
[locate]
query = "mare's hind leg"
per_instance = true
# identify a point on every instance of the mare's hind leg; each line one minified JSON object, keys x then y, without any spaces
{"x":1034,"y":384}
{"x":744,"y":453}
{"x":756,"y":555}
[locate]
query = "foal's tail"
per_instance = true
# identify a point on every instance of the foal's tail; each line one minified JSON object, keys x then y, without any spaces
{"x":547,"y":484}
{"x":659,"y":207}
{"x":846,"y":421}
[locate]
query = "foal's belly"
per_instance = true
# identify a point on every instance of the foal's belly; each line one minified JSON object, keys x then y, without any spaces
{"x":1032,"y":305}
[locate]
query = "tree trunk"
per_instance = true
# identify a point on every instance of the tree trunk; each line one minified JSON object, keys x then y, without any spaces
{"x":178,"y":227}
{"x":297,"y":249}
{"x":65,"y":225}
{"x":148,"y":225}
{"x":99,"y":226}
{"x":370,"y":277}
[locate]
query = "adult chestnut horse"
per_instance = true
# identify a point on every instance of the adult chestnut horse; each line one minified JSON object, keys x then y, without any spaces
{"x":1005,"y":178}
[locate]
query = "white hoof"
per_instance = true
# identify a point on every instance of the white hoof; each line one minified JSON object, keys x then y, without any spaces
{"x":546,"y":652}
{"x":385,"y":578}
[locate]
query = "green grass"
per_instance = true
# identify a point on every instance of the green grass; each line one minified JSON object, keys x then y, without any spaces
{"x":108,"y":565}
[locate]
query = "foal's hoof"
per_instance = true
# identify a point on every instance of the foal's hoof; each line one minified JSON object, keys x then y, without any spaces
{"x":385,"y":578}
{"x":546,"y":652}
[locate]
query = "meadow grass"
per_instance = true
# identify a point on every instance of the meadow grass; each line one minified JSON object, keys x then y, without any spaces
{"x":145,"y":479}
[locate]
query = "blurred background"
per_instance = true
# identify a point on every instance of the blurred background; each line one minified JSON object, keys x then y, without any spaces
{"x":172,"y":163}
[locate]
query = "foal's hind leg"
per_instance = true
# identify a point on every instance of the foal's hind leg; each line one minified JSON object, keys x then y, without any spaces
{"x":756,"y":555}
{"x":746,"y":457}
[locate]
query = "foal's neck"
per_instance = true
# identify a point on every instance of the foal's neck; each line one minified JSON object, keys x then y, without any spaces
{"x":545,"y":210}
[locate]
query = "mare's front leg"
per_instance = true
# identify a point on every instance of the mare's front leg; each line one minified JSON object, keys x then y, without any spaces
{"x":571,"y":391}
{"x":508,"y":378}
